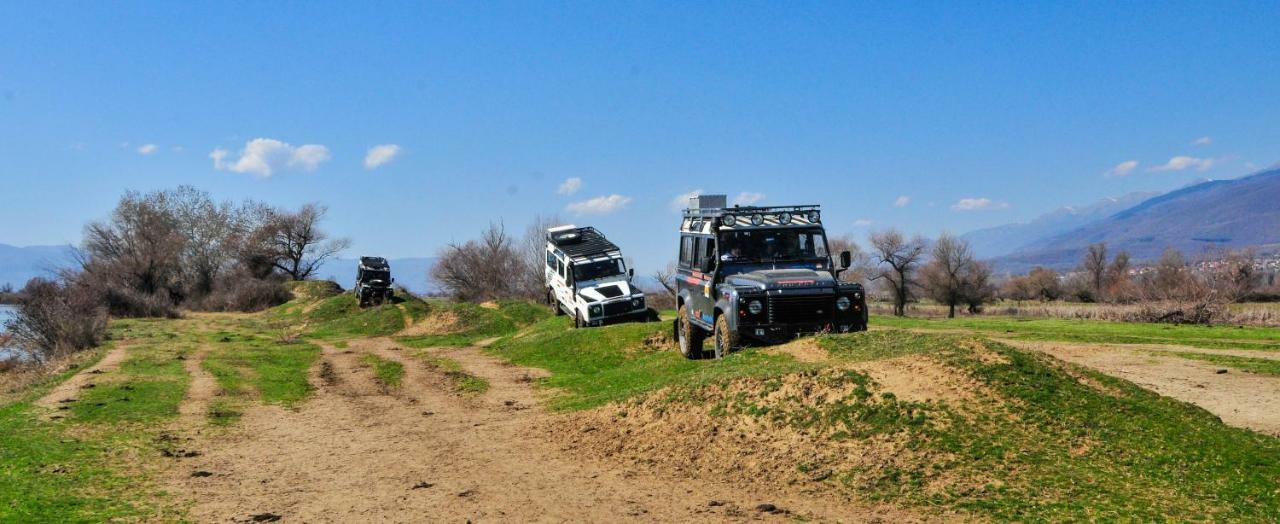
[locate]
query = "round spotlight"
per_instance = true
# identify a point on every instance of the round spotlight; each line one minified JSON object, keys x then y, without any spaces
{"x":814,"y":217}
{"x":729,"y":220}
{"x":784,"y":218}
{"x":755,"y":307}
{"x":757,"y":219}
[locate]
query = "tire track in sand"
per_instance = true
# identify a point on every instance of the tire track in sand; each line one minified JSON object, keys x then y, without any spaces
{"x":424,"y":453}
{"x":69,"y":390}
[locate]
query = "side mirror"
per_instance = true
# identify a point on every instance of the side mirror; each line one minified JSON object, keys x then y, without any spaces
{"x":631,"y":273}
{"x":846,"y":260}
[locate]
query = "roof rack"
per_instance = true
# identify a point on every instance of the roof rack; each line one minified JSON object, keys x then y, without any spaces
{"x":746,"y":210}
{"x":587,"y":243}
{"x":374,"y":262}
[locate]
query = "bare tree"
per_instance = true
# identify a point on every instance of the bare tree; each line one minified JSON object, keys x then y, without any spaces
{"x":479,"y":269}
{"x":899,"y":258}
{"x":1095,"y":265}
{"x":532,"y":263}
{"x":1234,"y":274}
{"x":1119,"y":287}
{"x":1045,"y":284}
{"x":978,"y":289}
{"x":54,"y":319}
{"x":859,"y":270}
{"x":299,"y":245}
{"x":953,"y":276}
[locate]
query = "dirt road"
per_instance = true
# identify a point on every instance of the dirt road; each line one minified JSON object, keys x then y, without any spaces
{"x":1238,"y":398}
{"x":357,"y":452}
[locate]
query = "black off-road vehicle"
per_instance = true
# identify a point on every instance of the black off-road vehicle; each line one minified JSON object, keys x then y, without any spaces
{"x":759,"y":273}
{"x":373,"y":281}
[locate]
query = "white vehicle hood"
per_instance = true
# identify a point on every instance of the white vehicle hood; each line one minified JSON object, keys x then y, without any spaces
{"x":605,"y":290}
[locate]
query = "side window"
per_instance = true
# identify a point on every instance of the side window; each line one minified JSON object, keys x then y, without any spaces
{"x":551,"y":260}
{"x":708,"y":250}
{"x":560,"y":267}
{"x":686,"y":251}
{"x":819,"y":245}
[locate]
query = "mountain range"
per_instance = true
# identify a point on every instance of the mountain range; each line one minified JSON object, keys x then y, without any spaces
{"x":1216,"y":214}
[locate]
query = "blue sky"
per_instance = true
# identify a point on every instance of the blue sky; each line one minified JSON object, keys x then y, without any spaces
{"x":926,"y":116}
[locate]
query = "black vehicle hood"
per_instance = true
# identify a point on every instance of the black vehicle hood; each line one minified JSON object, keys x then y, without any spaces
{"x":782,"y":279}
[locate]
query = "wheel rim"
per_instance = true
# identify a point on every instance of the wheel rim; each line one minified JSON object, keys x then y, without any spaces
{"x":684,"y":342}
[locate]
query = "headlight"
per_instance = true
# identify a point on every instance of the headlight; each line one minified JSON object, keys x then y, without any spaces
{"x":755,"y":307}
{"x":594,"y":311}
{"x":637,"y":302}
{"x":842,"y":303}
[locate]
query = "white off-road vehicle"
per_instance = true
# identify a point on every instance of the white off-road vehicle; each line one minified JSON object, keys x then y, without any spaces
{"x":587,"y":278}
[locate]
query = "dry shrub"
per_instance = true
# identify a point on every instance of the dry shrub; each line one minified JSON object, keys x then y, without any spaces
{"x":244,"y":293}
{"x":53,"y":319}
{"x":131,"y":303}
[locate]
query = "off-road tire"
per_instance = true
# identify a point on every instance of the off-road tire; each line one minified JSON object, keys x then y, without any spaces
{"x":726,"y":340}
{"x":555,"y":304}
{"x":690,"y":336}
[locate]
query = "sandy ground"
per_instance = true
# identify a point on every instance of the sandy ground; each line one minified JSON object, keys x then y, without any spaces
{"x":69,"y":390}
{"x":1240,"y":399}
{"x":358,"y":453}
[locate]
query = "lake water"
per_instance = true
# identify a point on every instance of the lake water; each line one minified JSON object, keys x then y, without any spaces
{"x":6,"y":312}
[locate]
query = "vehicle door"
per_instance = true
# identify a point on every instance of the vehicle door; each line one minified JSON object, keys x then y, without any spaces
{"x":702,"y":273}
{"x":565,"y":291}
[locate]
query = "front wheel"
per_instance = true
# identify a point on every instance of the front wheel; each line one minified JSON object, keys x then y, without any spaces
{"x":690,"y":336}
{"x":555,"y":304}
{"x":725,"y":339}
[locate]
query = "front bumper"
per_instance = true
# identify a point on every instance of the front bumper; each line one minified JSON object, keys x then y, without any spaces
{"x":616,"y":311}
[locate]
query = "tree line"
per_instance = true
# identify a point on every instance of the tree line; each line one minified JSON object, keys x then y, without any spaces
{"x":163,"y":251}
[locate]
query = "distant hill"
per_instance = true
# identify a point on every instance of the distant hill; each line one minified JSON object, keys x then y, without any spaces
{"x":1216,"y":214}
{"x":1010,"y":238}
{"x":20,"y":264}
{"x":412,"y":273}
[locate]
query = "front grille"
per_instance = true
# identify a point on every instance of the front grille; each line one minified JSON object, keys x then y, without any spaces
{"x":617,"y":308}
{"x":800,"y":310}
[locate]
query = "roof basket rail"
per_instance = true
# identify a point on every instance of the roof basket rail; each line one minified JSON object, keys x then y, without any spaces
{"x":721,"y":211}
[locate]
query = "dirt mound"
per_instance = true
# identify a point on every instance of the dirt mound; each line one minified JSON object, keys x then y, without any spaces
{"x":919,"y":378}
{"x":810,"y":432}
{"x":312,"y":290}
{"x":436,"y":323}
{"x":803,"y":349}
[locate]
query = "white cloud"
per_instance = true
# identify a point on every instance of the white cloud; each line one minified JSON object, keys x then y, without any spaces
{"x":265,"y":156}
{"x":681,"y":201}
{"x":380,"y":154}
{"x":901,"y":201}
{"x":570,"y":186}
{"x":147,"y":149}
{"x":861,"y":222}
{"x":1179,"y":163}
{"x":747,"y":198}
{"x":1122,"y":168}
{"x":1202,"y":141}
{"x":599,"y":205}
{"x":978,"y":204}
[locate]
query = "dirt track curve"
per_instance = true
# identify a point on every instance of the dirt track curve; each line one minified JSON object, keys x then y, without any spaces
{"x":356,"y":452}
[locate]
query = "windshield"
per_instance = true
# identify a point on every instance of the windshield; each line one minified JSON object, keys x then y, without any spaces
{"x":370,"y":275}
{"x":763,"y":245}
{"x":601,"y":269}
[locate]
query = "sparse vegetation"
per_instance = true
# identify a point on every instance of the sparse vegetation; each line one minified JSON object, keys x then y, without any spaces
{"x":388,"y":373}
{"x":463,"y":382}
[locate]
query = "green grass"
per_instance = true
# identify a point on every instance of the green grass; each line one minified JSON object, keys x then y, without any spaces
{"x":389,"y":373}
{"x":474,"y":322}
{"x":1100,"y":332}
{"x":591,"y":367}
{"x":463,"y":382}
{"x":88,"y":466}
{"x":340,"y":317}
{"x":251,"y":365}
{"x":1261,"y":366}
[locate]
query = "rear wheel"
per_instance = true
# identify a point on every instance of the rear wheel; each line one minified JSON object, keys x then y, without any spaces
{"x":725,"y":339}
{"x":555,"y":304}
{"x":690,"y":336}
